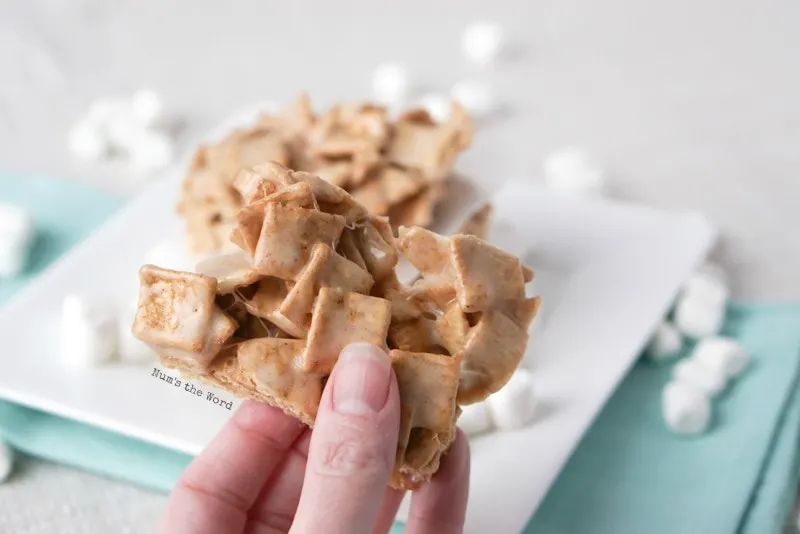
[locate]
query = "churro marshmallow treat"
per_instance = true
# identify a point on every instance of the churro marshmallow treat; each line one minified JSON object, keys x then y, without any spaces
{"x":314,"y":271}
{"x":393,"y":166}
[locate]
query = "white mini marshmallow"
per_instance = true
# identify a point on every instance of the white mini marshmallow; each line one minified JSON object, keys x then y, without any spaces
{"x":709,"y":268}
{"x":16,"y":237}
{"x":152,"y":151}
{"x":570,"y":170}
{"x":475,"y":419}
{"x":104,"y":111}
{"x":698,"y":316}
{"x":131,"y":349}
{"x":88,"y":141}
{"x":665,"y":344}
{"x":694,"y":373}
{"x":476,"y":97}
{"x":147,"y":108}
{"x":708,"y":283}
{"x":513,"y":406}
{"x":722,"y":354}
{"x":89,"y":332}
{"x":390,"y":83}
{"x":6,"y":461}
{"x":482,"y":42}
{"x":686,"y":409}
{"x":437,"y":106}
{"x":123,"y":134}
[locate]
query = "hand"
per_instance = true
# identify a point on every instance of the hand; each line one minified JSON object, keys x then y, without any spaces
{"x":266,"y":473}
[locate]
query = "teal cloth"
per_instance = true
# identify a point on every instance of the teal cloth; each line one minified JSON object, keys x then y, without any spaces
{"x":628,"y":474}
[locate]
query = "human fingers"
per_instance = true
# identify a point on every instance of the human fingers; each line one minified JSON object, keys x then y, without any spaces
{"x":440,"y":506}
{"x":391,"y":502}
{"x":219,"y":486}
{"x":353,"y":445}
{"x":275,"y":508}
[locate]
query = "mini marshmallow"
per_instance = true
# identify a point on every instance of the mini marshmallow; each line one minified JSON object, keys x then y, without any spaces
{"x":16,"y":235}
{"x":475,"y":419}
{"x":513,"y":406}
{"x":570,"y":170}
{"x":89,"y":332}
{"x":147,"y":108}
{"x":130,"y":348}
{"x":665,"y":344}
{"x":475,"y":96}
{"x":722,"y":354}
{"x":88,"y":141}
{"x":708,"y":283}
{"x":482,"y":42}
{"x":390,"y":83}
{"x":694,"y":373}
{"x":437,"y":106}
{"x":712,"y":269}
{"x":697,"y":316}
{"x":104,"y":111}
{"x":686,"y":409}
{"x":151,"y":151}
{"x":6,"y":461}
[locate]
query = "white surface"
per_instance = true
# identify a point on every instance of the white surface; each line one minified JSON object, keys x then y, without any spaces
{"x":690,"y":105}
{"x":513,"y":406}
{"x":724,"y":355}
{"x":686,"y":409}
{"x":692,"y":372}
{"x":578,"y":274}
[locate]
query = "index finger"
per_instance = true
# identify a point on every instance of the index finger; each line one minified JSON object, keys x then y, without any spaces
{"x":217,"y":489}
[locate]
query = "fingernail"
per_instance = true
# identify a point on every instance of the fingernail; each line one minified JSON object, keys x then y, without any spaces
{"x":361,"y":380}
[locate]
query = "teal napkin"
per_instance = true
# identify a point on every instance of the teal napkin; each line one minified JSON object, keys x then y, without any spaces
{"x":627,"y":475}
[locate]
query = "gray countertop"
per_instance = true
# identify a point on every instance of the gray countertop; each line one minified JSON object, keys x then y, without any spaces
{"x":690,"y":104}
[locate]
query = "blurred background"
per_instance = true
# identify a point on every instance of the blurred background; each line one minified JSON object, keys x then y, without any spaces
{"x":687,"y":105}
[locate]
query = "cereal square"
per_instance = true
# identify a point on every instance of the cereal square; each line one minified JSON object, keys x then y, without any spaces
{"x":175,"y":308}
{"x":339,"y":319}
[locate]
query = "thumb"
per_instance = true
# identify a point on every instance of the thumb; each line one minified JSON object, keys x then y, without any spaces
{"x":353,"y":445}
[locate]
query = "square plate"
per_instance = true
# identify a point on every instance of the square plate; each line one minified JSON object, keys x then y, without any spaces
{"x":607,"y":271}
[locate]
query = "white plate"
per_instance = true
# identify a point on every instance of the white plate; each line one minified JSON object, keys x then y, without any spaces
{"x":607,"y":272}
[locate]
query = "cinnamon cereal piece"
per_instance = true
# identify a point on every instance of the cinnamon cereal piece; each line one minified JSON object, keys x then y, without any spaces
{"x":494,"y":349}
{"x":287,"y":236}
{"x":175,"y":308}
{"x":231,"y":270}
{"x":478,"y":223}
{"x":326,"y":268}
{"x":340,"y":319}
{"x":428,"y":385}
{"x":485,"y":275}
{"x":273,"y":365}
{"x":427,"y":251}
